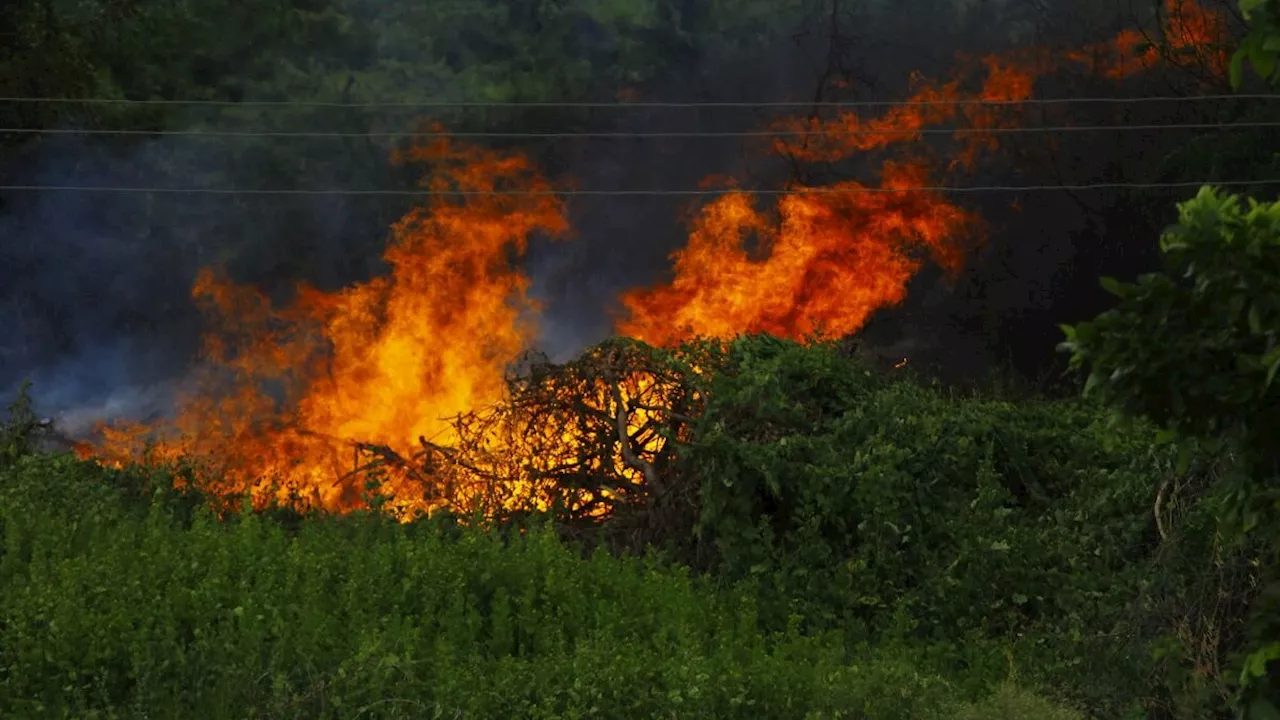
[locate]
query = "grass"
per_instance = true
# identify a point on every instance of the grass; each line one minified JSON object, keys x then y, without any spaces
{"x":110,"y":608}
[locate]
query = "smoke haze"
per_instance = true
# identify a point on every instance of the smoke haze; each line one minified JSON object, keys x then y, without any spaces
{"x":95,"y":288}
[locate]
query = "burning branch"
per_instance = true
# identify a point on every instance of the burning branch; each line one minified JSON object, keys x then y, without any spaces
{"x":622,"y":414}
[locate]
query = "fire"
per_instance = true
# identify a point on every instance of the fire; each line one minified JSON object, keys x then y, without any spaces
{"x":826,"y":261}
{"x":288,"y":390}
{"x":826,"y":258}
{"x":1187,"y":31}
{"x":832,"y":260}
{"x":405,"y":377}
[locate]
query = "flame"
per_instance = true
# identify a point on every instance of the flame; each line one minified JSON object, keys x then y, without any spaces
{"x":827,"y":261}
{"x":288,"y":390}
{"x":832,"y":260}
{"x":404,"y":377}
{"x":1186,"y":30}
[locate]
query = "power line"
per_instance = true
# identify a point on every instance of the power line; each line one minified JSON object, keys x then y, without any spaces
{"x":656,"y":134}
{"x":626,"y":105}
{"x":617,"y":193}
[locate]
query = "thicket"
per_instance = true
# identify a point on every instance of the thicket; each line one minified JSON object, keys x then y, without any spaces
{"x":124,"y":599}
{"x":1196,"y":349}
{"x":862,"y":544}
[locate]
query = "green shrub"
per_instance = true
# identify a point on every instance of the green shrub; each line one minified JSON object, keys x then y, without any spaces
{"x":879,"y":549}
{"x":18,"y":430}
{"x":1196,"y":349}
{"x":963,"y":527}
{"x":1009,"y":702}
{"x":111,"y":612}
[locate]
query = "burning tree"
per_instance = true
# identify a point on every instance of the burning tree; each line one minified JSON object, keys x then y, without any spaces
{"x":594,"y":438}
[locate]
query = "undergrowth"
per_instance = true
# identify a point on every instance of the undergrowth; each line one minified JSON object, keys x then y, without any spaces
{"x":865,"y":546}
{"x":115,"y":609}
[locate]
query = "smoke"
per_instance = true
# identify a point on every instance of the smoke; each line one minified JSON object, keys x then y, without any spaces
{"x":91,"y":290}
{"x":94,"y":288}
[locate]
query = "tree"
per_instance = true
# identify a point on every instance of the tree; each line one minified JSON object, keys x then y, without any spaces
{"x":1261,"y":46}
{"x":1196,"y":348}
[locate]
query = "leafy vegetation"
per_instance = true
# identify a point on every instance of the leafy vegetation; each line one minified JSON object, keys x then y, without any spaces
{"x":866,"y":546}
{"x":844,"y":541}
{"x":864,"y":543}
{"x":118,"y":605}
{"x":1261,"y":46}
{"x":1196,"y":349}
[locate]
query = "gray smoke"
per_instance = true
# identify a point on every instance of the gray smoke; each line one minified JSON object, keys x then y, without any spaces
{"x":94,"y":288}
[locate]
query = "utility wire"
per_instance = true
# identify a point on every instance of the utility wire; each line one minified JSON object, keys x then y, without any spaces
{"x":656,"y":134}
{"x":615,"y":193}
{"x":631,"y":105}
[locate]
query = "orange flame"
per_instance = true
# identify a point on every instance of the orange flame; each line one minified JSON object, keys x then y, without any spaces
{"x":828,"y":261}
{"x":289,"y":394}
{"x":385,"y":361}
{"x":832,"y":260}
{"x":1187,"y":31}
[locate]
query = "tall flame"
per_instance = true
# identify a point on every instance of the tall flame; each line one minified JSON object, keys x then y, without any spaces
{"x":289,"y":395}
{"x":387,"y":361}
{"x":827,"y":260}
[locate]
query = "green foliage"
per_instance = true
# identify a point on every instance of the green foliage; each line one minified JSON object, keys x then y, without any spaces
{"x":108,"y":612}
{"x":1196,"y":348}
{"x":1010,"y":701}
{"x":18,"y":431}
{"x":874,"y":543}
{"x":1261,"y":46}
{"x":963,"y":526}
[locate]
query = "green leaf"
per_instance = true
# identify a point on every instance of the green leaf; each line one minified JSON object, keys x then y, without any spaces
{"x":1184,"y":458}
{"x":1113,"y":286}
{"x":1256,"y":664}
{"x":1271,"y":361}
{"x":1248,"y":6}
{"x":1094,"y":380}
{"x":1264,"y":63}
{"x":1262,"y":709}
{"x":1237,"y":69}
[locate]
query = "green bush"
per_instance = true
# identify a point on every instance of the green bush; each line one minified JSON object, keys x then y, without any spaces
{"x":111,"y":612}
{"x":964,"y":527}
{"x":880,"y":548}
{"x":1009,"y":702}
{"x":1196,"y":349}
{"x":17,"y":432}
